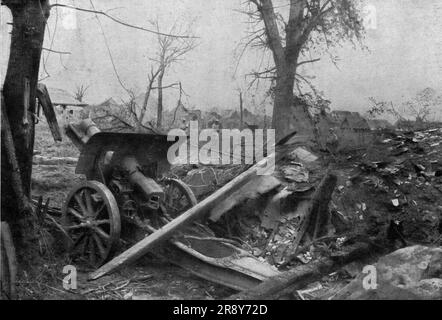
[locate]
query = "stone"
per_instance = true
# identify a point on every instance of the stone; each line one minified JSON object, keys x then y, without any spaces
{"x":409,"y":273}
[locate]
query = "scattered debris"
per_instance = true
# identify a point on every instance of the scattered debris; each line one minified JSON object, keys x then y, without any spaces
{"x":303,"y":155}
{"x":294,"y":220}
{"x":299,"y":277}
{"x":296,"y":173}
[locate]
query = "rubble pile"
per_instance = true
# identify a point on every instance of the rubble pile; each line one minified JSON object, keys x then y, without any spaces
{"x":392,"y":190}
{"x":266,"y":217}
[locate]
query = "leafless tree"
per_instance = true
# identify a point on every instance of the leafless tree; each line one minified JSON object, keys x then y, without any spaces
{"x":133,"y":115}
{"x":80,"y":92}
{"x":379,"y":108}
{"x":423,"y":105}
{"x":170,"y":51}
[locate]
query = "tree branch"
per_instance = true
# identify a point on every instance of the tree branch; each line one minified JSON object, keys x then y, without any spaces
{"x":172,"y":85}
{"x":314,"y":20}
{"x":294,"y":29}
{"x":308,"y":61}
{"x":265,"y":7}
{"x":117,"y":118}
{"x":152,"y":78}
{"x":261,"y":74}
{"x":120,"y":21}
{"x":55,"y":51}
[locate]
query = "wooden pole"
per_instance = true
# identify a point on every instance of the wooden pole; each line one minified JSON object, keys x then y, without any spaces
{"x":241,"y":110}
{"x":198,"y":211}
{"x":48,"y":109}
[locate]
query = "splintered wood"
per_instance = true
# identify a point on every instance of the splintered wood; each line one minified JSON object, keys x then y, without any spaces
{"x":48,"y":109}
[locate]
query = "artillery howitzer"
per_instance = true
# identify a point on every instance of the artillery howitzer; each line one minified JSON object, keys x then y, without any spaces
{"x":128,"y":197}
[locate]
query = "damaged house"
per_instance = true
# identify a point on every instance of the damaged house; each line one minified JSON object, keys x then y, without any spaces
{"x":351,"y":129}
{"x":380,"y":124}
{"x":67,"y":108}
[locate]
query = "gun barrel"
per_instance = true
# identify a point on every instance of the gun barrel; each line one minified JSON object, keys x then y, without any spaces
{"x":152,"y":191}
{"x":81,"y":132}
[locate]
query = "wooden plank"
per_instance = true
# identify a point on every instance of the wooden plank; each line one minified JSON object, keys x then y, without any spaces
{"x":48,"y":109}
{"x":196,"y":212}
{"x":55,"y":161}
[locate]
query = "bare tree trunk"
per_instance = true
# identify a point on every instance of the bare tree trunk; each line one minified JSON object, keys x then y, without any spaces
{"x":241,"y":110}
{"x":288,"y":114}
{"x":160,"y":99}
{"x":283,"y":103}
{"x":19,"y":90}
{"x":140,"y":118}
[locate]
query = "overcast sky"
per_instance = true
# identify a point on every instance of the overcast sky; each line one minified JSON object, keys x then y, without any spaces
{"x":404,"y":56}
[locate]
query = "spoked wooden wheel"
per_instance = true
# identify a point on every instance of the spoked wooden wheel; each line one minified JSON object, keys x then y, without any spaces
{"x":8,"y":264}
{"x":91,"y":218}
{"x":178,"y":197}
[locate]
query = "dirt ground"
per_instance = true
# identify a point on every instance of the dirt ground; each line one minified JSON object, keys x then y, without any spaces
{"x":375,"y":187}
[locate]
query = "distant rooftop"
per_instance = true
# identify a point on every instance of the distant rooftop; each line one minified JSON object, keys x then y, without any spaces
{"x":64,"y":98}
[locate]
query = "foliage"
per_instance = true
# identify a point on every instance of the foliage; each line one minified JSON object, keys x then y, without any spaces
{"x":420,"y":108}
{"x":423,"y":106}
{"x":314,"y":26}
{"x":379,"y":108}
{"x":80,"y":92}
{"x":316,"y":101}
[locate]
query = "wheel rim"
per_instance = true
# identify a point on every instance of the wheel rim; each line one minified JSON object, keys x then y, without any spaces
{"x":91,"y":219}
{"x":178,"y":197}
